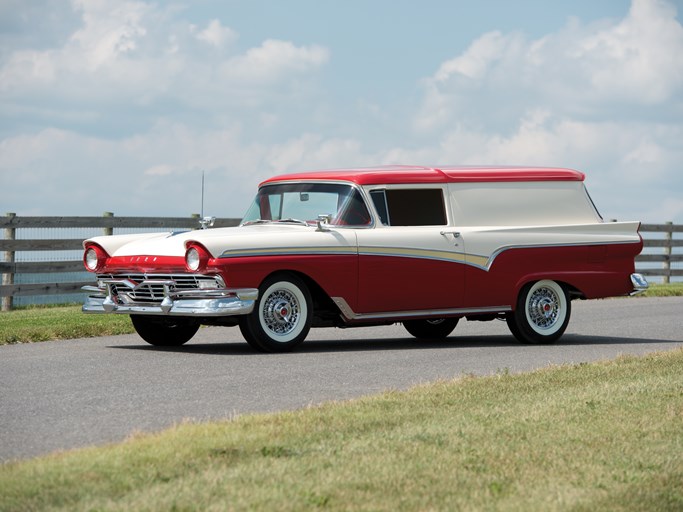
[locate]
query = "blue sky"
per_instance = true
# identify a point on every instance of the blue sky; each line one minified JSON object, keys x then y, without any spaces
{"x":108,"y":105}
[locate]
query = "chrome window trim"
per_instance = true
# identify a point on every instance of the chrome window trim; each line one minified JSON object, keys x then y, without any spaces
{"x":445,"y":198}
{"x":365,"y":197}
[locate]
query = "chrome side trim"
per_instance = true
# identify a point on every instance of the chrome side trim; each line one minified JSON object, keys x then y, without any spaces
{"x":351,"y":316}
{"x":640,"y":284}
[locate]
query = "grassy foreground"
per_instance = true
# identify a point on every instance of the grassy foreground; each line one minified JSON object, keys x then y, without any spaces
{"x":604,"y":436}
{"x":56,"y":323}
{"x":67,"y":322}
{"x":664,"y":290}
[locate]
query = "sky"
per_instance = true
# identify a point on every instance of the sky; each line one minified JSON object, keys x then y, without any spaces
{"x":111,"y":105}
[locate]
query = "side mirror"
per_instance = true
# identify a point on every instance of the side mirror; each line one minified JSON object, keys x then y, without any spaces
{"x":324,"y":220}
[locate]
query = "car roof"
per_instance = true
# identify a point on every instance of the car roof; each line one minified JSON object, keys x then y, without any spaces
{"x":397,"y":174}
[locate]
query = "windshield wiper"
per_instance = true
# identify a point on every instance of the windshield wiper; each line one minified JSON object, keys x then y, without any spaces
{"x":294,"y":221}
{"x":257,"y":221}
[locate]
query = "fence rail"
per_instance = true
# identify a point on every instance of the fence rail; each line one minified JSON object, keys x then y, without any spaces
{"x":10,"y":244}
{"x":106,"y":224}
{"x":668,"y":243}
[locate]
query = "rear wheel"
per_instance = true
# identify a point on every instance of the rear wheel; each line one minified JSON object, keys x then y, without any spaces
{"x":164,"y":331}
{"x":433,"y":329}
{"x":542,"y":313}
{"x":282,"y":315}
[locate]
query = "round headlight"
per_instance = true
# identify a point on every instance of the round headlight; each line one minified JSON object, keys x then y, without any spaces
{"x":94,"y":258}
{"x":91,"y":259}
{"x":192,"y":258}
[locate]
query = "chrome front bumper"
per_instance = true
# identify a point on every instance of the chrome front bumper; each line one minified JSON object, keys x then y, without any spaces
{"x":640,"y":284}
{"x":211,"y":302}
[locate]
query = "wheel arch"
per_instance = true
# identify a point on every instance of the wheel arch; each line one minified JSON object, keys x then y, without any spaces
{"x":323,"y":305}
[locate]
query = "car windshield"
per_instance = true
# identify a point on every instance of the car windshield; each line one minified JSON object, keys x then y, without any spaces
{"x":305,"y":202}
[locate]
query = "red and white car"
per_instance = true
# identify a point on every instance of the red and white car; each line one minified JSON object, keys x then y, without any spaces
{"x":356,"y":247}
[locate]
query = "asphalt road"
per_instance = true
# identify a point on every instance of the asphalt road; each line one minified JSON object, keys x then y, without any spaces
{"x":67,"y":394}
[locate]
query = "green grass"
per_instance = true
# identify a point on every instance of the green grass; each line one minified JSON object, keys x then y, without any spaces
{"x":604,"y":436}
{"x":664,"y":290}
{"x":55,"y":323}
{"x":65,"y":322}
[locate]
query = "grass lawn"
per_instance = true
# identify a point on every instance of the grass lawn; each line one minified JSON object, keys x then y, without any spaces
{"x":56,"y":323}
{"x":603,"y":436}
{"x":664,"y":290}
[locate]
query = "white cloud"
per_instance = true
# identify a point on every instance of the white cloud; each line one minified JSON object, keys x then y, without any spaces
{"x":312,"y":151}
{"x":638,"y":59}
{"x":155,"y":173}
{"x":109,"y":31}
{"x":272,"y":60}
{"x":140,"y":54}
{"x":480,"y":57}
{"x":579,"y":71}
{"x":601,"y":97}
{"x":216,"y":34}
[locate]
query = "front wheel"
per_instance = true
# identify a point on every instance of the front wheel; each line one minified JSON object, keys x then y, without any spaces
{"x":542,"y":313}
{"x":164,"y":331}
{"x":282,"y":315}
{"x":434,"y":329}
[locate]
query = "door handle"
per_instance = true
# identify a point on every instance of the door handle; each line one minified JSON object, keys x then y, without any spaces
{"x":456,"y":235}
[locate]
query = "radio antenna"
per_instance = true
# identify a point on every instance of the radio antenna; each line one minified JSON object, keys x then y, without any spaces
{"x":202,"y":215}
{"x":205,"y":222}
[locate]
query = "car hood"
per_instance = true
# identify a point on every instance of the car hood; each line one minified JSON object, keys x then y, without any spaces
{"x":223,"y":241}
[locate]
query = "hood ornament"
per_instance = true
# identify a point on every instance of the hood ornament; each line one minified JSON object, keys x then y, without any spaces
{"x":207,"y":222}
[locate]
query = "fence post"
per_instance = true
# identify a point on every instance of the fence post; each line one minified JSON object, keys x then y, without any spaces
{"x":667,"y":252}
{"x":10,"y":234}
{"x":108,"y":231}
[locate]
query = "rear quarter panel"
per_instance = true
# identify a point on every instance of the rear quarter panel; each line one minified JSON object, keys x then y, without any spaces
{"x":595,"y":259}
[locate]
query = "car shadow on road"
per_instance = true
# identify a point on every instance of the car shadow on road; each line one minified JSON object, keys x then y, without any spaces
{"x":237,"y":348}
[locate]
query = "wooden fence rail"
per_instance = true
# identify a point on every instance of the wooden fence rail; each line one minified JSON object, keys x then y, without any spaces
{"x":106,"y":224}
{"x":10,"y":245}
{"x":667,"y":256}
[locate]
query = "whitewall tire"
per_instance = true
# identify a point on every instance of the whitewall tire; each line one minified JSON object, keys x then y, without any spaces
{"x":542,"y":312}
{"x":282,"y":315}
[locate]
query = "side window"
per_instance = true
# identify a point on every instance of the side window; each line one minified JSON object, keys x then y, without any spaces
{"x":351,"y":210}
{"x":379,"y":199}
{"x":410,"y":207}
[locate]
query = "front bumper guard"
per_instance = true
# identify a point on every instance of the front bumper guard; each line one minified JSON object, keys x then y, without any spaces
{"x":209,"y":302}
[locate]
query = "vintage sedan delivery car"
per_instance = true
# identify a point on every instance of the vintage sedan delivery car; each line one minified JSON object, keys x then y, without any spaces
{"x":356,"y":247}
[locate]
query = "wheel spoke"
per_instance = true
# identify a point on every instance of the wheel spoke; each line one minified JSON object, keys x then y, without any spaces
{"x":544,"y":308}
{"x":281,"y":312}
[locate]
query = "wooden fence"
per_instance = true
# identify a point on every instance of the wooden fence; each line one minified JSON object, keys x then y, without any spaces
{"x":667,"y":256}
{"x":106,"y":224}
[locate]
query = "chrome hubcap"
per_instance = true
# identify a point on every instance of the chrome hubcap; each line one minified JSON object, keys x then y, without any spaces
{"x":544,"y":308}
{"x":281,"y":312}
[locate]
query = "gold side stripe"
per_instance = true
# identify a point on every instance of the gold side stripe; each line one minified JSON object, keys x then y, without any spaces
{"x":284,"y":251}
{"x":405,"y":252}
{"x":395,"y":252}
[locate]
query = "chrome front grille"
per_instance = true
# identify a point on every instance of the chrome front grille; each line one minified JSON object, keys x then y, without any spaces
{"x":153,"y":292}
